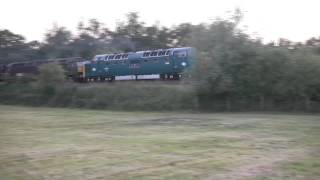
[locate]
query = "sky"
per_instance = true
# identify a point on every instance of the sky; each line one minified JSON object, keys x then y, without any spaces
{"x":296,"y":20}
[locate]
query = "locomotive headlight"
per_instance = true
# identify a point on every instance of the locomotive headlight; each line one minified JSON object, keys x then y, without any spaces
{"x":183,"y":63}
{"x":93,"y":69}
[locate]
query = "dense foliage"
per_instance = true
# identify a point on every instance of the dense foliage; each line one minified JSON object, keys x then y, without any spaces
{"x":118,"y":96}
{"x":234,"y":71}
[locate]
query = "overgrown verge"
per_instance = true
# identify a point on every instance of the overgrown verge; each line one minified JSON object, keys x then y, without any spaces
{"x":139,"y":96}
{"x":115,"y":96}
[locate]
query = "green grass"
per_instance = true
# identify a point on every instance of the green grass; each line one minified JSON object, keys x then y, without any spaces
{"x":56,"y":143}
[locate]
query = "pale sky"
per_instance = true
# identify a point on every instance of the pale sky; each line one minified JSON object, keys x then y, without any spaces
{"x":296,"y":20}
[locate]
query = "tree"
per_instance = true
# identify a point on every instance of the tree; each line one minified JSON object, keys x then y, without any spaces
{"x":92,"y":39}
{"x":179,"y":35}
{"x":133,"y":35}
{"x":13,"y":48}
{"x":57,"y":43}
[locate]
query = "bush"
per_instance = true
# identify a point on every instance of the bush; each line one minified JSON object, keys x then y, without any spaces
{"x":50,"y":77}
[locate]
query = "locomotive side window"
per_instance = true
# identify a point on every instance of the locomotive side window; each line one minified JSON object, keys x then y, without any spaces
{"x":118,"y":56}
{"x":168,"y":53}
{"x":106,"y":58}
{"x":180,"y":54}
{"x":111,"y":57}
{"x":154,"y":53}
{"x":146,"y":54}
{"x":162,"y":53}
{"x":124,"y":56}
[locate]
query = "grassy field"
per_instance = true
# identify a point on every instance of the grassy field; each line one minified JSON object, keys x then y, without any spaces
{"x":56,"y":143}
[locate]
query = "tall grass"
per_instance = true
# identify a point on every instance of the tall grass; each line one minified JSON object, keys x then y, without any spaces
{"x":134,"y":95}
{"x":113,"y":96}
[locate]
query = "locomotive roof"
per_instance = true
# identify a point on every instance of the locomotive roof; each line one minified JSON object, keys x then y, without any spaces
{"x":96,"y":57}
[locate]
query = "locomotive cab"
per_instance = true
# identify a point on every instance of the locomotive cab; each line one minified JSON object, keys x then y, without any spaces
{"x":180,"y":58}
{"x":183,"y":58}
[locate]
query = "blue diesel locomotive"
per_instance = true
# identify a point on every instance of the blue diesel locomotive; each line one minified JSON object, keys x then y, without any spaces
{"x":166,"y":63}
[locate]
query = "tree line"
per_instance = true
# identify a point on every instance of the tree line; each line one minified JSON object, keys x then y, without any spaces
{"x":234,"y":71}
{"x":91,"y":38}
